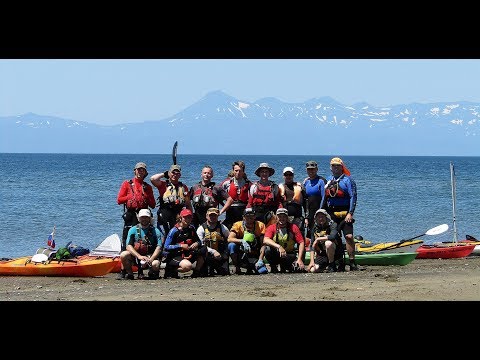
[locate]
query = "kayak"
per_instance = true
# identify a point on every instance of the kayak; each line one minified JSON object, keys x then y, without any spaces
{"x":378,"y":258}
{"x":472,"y":241}
{"x":383,"y":258}
{"x":444,"y":251}
{"x":24,"y":266}
{"x":110,"y":248}
{"x":390,"y":247}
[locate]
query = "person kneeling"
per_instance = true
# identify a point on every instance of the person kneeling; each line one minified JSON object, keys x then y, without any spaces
{"x":183,"y":248}
{"x":281,"y":242}
{"x":327,"y":247}
{"x":143,"y":248}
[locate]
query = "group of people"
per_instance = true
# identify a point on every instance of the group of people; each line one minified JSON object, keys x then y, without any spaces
{"x":263,"y":221}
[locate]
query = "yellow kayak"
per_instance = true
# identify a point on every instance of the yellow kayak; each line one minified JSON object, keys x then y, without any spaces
{"x":399,"y":246}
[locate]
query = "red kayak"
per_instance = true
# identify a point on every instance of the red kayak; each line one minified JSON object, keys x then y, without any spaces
{"x":443,"y":251}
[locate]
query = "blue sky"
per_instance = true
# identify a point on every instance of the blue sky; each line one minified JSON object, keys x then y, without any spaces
{"x":113,"y":91}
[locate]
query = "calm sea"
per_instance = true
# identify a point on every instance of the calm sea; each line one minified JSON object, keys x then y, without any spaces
{"x":398,"y":197}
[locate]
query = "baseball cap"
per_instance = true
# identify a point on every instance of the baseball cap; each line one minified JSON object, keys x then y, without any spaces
{"x":336,"y":161}
{"x":175,"y":167}
{"x":288,"y":169}
{"x":140,"y":165}
{"x":213,"y":210}
{"x":186,"y":212}
{"x":144,"y":212}
{"x":282,"y":211}
{"x":311,"y":164}
{"x":248,"y":211}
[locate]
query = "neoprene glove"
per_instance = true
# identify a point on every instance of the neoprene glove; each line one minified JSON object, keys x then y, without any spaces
{"x":165,"y":174}
{"x":246,"y":246}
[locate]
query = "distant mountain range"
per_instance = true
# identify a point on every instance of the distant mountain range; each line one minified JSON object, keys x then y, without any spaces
{"x":221,"y":124}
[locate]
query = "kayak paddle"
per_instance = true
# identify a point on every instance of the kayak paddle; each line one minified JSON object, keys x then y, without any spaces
{"x":174,"y":153}
{"x":433,"y":231}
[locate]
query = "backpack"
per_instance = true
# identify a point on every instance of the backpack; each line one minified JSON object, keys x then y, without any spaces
{"x":62,"y":253}
{"x":76,"y":250}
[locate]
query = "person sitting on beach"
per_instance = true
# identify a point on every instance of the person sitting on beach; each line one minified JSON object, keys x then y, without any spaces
{"x":183,"y":248}
{"x":143,"y":249}
{"x":245,"y":242}
{"x":214,"y":235}
{"x":281,"y":242}
{"x":134,"y":194}
{"x":326,"y":246}
{"x":264,"y":195}
{"x":314,"y":185}
{"x":235,"y":192}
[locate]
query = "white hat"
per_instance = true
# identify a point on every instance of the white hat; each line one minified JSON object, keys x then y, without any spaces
{"x":288,"y":169}
{"x":324,"y":212}
{"x":144,"y":212}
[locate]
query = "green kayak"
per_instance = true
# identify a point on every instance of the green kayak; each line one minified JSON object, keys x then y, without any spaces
{"x":383,"y":258}
{"x":378,"y":258}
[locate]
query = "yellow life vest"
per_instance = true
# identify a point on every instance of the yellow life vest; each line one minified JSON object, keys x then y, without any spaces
{"x":287,"y":240}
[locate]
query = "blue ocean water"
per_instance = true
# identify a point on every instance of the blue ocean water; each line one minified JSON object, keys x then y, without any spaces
{"x":398,"y":197}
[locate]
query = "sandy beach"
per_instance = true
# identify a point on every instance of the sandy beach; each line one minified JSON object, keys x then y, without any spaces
{"x":422,"y":279}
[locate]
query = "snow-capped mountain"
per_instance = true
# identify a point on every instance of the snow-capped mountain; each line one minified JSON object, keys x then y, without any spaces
{"x":221,"y":124}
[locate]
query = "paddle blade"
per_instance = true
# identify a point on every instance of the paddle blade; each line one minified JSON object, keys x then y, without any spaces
{"x":440,"y":229}
{"x":174,"y":153}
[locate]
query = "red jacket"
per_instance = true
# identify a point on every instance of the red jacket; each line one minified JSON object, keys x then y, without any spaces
{"x":138,"y":195}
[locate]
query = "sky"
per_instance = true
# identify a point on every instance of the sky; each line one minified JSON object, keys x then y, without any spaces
{"x":115,"y":91}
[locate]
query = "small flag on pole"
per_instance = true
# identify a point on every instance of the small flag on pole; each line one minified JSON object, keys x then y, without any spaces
{"x":51,"y":239}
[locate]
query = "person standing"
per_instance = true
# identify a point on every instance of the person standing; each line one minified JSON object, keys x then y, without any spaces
{"x":134,"y":195}
{"x":264,"y":195}
{"x":340,"y":202}
{"x":314,"y":185}
{"x":173,"y":197}
{"x":293,"y":198}
{"x":204,"y":195}
{"x":235,"y":192}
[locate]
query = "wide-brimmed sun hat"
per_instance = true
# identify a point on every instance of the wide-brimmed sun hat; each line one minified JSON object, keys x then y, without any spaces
{"x":264,"y":166}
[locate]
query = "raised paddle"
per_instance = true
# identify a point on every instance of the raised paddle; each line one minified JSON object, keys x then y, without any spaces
{"x":440,"y":229}
{"x":174,"y":153}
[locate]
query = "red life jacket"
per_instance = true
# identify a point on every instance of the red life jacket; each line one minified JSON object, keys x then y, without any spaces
{"x":265,"y":194}
{"x":332,"y":189}
{"x":239,"y":194}
{"x":139,"y":201}
{"x":203,"y":195}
